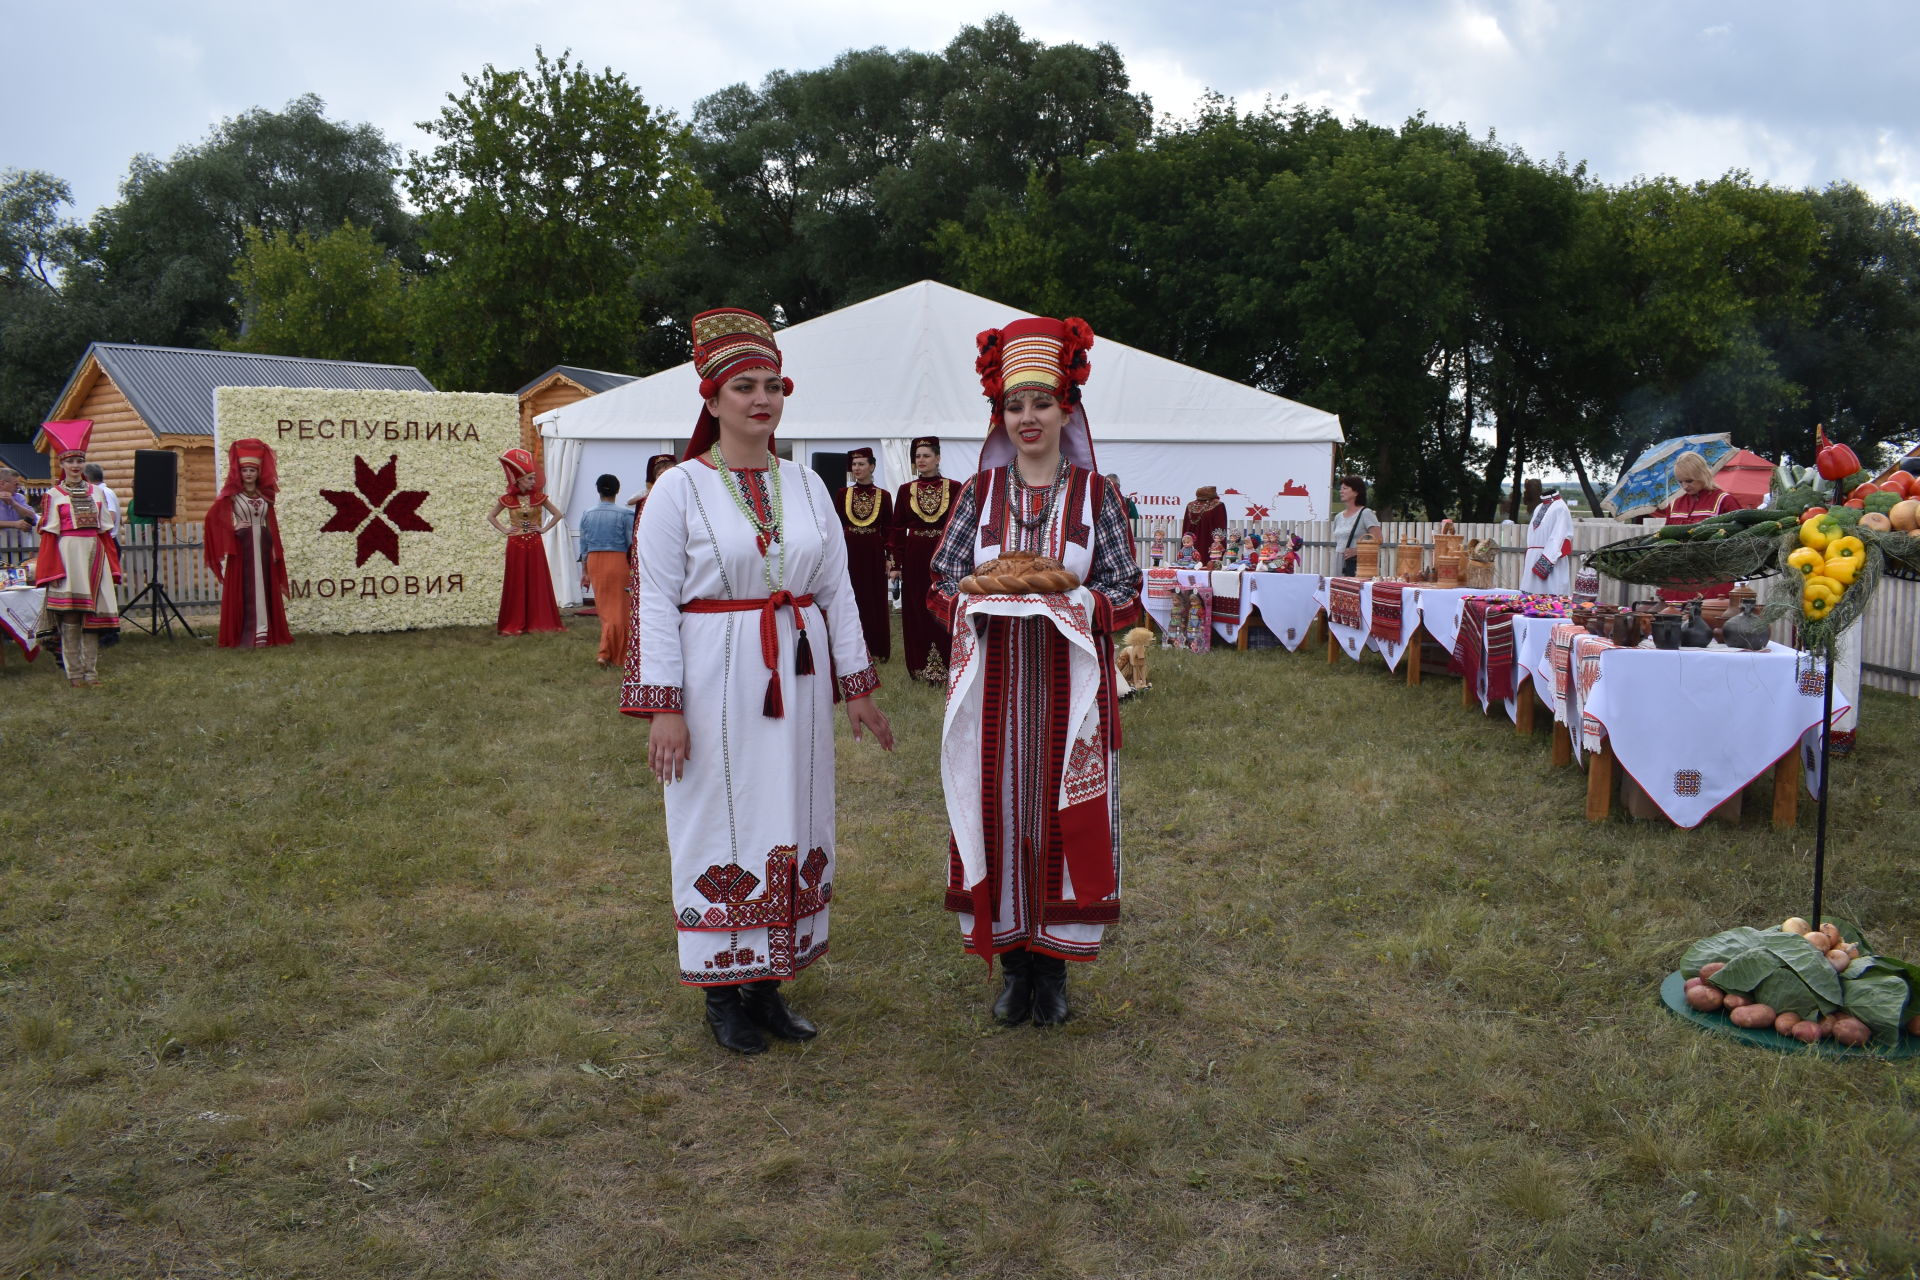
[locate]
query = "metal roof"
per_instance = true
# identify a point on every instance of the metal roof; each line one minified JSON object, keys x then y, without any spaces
{"x":35,"y":467}
{"x":594,"y":380}
{"x":171,"y":388}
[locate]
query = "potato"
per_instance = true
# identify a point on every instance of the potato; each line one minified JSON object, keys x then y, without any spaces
{"x":1735,"y":1000}
{"x":1754,"y":1015}
{"x":1839,"y":959}
{"x":1708,"y":970}
{"x":1695,"y":982}
{"x":1852,"y":1032}
{"x":1785,"y":1023}
{"x":1807,"y":1032}
{"x":1704,"y":999}
{"x":1913,"y":1025}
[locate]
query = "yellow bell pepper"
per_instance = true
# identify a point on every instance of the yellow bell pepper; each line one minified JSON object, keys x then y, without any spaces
{"x":1820,"y":584}
{"x":1817,"y":605}
{"x":1842,"y":569}
{"x":1818,"y":532}
{"x":1806,"y":560}
{"x":1845,"y":546}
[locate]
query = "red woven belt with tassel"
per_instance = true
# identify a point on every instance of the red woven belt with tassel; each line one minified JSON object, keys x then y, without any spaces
{"x":774,"y":708}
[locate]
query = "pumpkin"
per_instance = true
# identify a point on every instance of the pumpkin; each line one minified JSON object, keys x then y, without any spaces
{"x":1905,"y":516}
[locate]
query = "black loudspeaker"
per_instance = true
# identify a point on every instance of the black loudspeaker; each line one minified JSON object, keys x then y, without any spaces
{"x":831,"y":467}
{"x":156,"y":483}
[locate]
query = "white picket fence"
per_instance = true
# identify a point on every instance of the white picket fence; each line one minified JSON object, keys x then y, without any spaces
{"x":1889,"y":633}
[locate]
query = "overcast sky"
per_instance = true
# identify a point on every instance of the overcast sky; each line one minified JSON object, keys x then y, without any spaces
{"x":1799,"y":94}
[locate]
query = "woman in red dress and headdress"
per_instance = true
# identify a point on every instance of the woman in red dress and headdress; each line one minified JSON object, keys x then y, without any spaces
{"x":1027,"y":750}
{"x":243,"y":550}
{"x":920,"y":512}
{"x":866,"y":512}
{"x":526,"y":593}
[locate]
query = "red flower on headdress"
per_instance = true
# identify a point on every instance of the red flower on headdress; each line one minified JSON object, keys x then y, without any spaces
{"x":709,"y":388}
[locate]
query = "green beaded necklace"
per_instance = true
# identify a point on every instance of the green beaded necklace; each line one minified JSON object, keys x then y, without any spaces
{"x":769,"y":530}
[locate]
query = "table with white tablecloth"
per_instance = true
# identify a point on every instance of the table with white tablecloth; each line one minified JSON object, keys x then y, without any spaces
{"x":20,"y":617}
{"x":1287,"y":603}
{"x":1691,"y":726}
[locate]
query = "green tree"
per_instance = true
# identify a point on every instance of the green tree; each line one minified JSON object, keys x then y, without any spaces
{"x":164,"y":254}
{"x":549,"y":205}
{"x":832,"y":184}
{"x":41,"y":327}
{"x":1856,"y":357}
{"x":1700,"y":274}
{"x":340,"y":295}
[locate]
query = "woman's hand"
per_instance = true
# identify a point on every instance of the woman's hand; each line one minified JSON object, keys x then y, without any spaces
{"x":862,"y":714}
{"x":667,"y":753}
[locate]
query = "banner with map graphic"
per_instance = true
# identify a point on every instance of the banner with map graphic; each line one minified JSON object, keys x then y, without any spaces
{"x":383,"y":501}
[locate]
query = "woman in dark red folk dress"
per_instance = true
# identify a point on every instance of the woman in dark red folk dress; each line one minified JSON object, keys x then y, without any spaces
{"x":243,"y":550}
{"x":526,"y":592}
{"x":866,"y":511}
{"x":920,"y":513}
{"x":1027,"y":750}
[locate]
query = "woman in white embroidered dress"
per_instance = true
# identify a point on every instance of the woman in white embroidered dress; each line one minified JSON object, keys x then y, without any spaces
{"x":1027,"y":752}
{"x":744,"y":615}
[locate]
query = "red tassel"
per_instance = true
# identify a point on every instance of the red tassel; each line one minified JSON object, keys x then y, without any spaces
{"x":773,"y":708}
{"x":802,"y":655}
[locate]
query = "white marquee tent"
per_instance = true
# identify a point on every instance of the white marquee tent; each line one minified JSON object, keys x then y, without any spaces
{"x":886,"y":370}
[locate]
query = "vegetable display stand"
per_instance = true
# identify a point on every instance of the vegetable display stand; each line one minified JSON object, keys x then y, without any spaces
{"x":1673,"y":995}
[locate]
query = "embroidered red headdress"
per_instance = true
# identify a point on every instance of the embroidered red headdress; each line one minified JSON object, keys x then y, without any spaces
{"x":728,"y":341}
{"x":258,"y":453}
{"x":862,"y":452}
{"x":931,"y":442}
{"x":1036,"y":354}
{"x":62,"y":439}
{"x":658,"y":463}
{"x":517,"y":463}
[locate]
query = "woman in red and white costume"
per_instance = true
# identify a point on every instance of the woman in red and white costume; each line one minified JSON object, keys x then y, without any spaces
{"x":1699,"y":499}
{"x":1032,"y":725}
{"x":77,"y":565}
{"x":748,"y":634}
{"x":526,"y":592}
{"x":243,"y":550}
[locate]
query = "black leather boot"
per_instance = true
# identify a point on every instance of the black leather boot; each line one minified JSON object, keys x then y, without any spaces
{"x":770,"y":1013}
{"x":1049,"y":989}
{"x":731,"y":1026}
{"x":1015,"y":1004}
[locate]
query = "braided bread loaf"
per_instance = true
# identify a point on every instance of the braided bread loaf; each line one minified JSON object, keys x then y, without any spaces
{"x":1019,"y":573}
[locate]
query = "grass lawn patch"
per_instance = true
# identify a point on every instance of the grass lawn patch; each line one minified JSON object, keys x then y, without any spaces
{"x":356,"y":959}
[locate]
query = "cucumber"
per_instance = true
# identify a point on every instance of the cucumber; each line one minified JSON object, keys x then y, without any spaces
{"x":1757,"y":515}
{"x":1765,"y":529}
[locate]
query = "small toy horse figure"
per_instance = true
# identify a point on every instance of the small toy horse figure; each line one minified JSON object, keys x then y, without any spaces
{"x":1131,"y":660}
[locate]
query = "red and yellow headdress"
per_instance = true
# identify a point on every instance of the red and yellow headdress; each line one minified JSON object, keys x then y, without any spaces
{"x":517,"y":463}
{"x":1036,"y":354}
{"x":658,"y":463}
{"x":728,"y":341}
{"x":258,"y":453}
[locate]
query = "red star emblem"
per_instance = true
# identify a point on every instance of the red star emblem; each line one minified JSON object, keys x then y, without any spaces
{"x":1255,"y":512}
{"x":375,"y":512}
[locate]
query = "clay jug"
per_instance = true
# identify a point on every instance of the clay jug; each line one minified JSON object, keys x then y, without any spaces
{"x":1695,"y":633}
{"x":1745,"y":629}
{"x":1716,"y":610}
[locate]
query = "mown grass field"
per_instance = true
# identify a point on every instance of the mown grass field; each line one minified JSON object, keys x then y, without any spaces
{"x":354,"y":959}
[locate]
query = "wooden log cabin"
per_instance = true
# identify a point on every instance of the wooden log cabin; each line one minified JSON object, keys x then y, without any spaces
{"x":162,"y":398}
{"x":558,"y":387}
